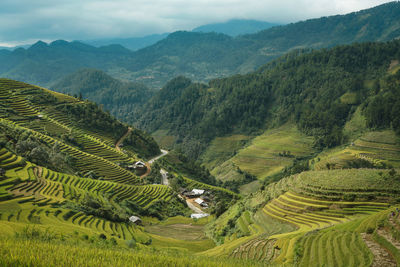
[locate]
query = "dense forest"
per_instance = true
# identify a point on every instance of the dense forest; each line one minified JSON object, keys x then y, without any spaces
{"x":319,"y":90}
{"x":119,"y":98}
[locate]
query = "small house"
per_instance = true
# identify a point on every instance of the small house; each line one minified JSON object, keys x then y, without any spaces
{"x":198,"y":201}
{"x":198,"y":192}
{"x":135,"y":220}
{"x":140,"y":165}
{"x":194,"y":193}
{"x":201,"y":202}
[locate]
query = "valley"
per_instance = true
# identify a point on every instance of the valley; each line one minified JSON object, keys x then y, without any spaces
{"x":239,"y":143}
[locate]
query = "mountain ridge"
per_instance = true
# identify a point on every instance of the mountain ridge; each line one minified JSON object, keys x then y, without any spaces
{"x":203,"y":57}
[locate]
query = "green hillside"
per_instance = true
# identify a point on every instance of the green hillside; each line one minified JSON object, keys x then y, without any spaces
{"x":64,"y":184}
{"x":291,"y":89}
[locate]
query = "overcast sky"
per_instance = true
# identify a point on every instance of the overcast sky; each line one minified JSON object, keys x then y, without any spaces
{"x":26,"y":21}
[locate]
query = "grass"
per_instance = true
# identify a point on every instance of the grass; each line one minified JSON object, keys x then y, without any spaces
{"x":36,"y":253}
{"x":250,"y":187}
{"x":356,"y":126}
{"x":178,"y":231}
{"x":163,"y":139}
{"x":349,"y":98}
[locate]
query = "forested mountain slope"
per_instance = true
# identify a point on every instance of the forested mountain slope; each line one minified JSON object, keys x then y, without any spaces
{"x":121,"y":99}
{"x":318,"y":90}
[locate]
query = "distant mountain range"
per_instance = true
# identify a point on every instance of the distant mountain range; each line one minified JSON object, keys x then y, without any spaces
{"x":232,"y":27}
{"x":133,"y":43}
{"x":199,"y":56}
{"x":236,"y":27}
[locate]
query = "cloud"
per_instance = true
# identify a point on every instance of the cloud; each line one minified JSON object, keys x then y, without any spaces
{"x":26,"y":20}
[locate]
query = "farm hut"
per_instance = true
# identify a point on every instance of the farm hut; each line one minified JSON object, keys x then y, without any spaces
{"x":201,"y":202}
{"x":194,"y":193}
{"x":198,"y":192}
{"x":140,"y":165}
{"x":135,"y":219}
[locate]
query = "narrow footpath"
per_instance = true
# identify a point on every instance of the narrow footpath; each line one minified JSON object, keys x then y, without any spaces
{"x":193,"y":207}
{"x":122,"y":139}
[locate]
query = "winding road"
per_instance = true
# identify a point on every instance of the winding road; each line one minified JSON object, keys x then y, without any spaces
{"x":163,"y":153}
{"x":151,"y":161}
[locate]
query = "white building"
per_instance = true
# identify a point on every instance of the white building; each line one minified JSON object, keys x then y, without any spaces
{"x":199,"y":215}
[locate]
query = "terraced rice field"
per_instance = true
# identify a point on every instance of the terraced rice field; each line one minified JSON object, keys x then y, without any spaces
{"x":42,"y":183}
{"x":88,"y":162}
{"x":319,"y":213}
{"x":37,"y":190}
{"x":35,"y":193}
{"x":377,"y":148}
{"x":352,"y":184}
{"x":43,"y":214}
{"x":307,"y":215}
{"x":263,"y":156}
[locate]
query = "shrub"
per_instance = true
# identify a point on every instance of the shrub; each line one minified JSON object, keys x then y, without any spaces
{"x":131,"y":243}
{"x":370,"y":230}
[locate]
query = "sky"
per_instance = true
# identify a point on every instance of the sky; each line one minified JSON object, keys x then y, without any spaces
{"x":26,"y":21}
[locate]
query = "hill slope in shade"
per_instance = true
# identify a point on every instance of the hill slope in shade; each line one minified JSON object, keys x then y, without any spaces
{"x":120,"y":98}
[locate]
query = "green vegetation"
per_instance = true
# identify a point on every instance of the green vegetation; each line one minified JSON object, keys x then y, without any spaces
{"x":313,"y":90}
{"x":271,"y":152}
{"x":64,"y":186}
{"x":329,"y":210}
{"x":119,"y":98}
{"x":38,"y":253}
{"x":375,"y":149}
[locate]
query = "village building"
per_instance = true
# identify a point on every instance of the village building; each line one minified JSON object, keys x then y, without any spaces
{"x":201,"y":202}
{"x":140,"y":165}
{"x":194,"y":193}
{"x":135,"y":220}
